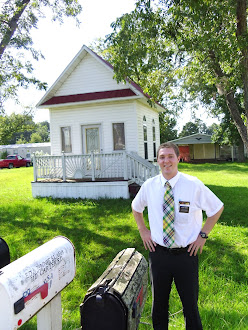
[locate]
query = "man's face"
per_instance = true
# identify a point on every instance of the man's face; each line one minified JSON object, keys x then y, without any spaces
{"x":168,"y":162}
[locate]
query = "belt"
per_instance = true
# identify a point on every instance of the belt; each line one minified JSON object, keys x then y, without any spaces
{"x":172,"y":250}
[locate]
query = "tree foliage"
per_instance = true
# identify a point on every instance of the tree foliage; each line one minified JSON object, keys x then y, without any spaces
{"x":17,"y":18}
{"x":196,"y":50}
{"x":20,"y":128}
{"x":195,"y":127}
{"x":167,"y":128}
{"x":10,"y":125}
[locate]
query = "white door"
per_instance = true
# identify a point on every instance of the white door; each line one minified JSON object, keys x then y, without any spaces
{"x":91,"y":135}
{"x":91,"y":138}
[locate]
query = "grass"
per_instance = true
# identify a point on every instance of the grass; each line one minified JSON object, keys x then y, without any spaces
{"x":100,"y":229}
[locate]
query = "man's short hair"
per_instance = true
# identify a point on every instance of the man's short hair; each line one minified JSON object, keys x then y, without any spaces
{"x":169,"y":145}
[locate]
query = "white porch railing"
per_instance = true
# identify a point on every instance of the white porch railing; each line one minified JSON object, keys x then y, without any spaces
{"x":117,"y":165}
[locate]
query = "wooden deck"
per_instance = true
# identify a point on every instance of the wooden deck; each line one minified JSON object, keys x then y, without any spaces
{"x":116,"y":175}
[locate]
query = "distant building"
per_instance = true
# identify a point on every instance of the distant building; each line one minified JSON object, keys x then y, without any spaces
{"x":26,"y":150}
{"x":200,"y":147}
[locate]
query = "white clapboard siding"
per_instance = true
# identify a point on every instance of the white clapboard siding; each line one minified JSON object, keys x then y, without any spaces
{"x":104,"y":114}
{"x":88,"y":77}
{"x":150,"y":114}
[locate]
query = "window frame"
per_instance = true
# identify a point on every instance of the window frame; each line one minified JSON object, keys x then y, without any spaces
{"x":123,"y":138}
{"x":154,"y":140}
{"x":145,"y":132}
{"x":63,"y":139}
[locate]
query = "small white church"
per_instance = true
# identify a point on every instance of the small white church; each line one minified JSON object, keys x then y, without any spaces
{"x":101,"y":131}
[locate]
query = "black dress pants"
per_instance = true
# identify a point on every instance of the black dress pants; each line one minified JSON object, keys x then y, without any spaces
{"x":177,"y":265}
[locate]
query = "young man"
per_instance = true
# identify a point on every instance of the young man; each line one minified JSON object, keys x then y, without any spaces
{"x":175,"y":202}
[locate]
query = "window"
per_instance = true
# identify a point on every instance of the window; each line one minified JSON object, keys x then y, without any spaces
{"x":145,"y":138}
{"x":66,"y":139}
{"x":154,"y":140}
{"x":119,"y":136}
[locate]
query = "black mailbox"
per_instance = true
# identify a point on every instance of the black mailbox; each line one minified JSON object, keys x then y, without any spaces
{"x":4,"y":253}
{"x":116,"y":300}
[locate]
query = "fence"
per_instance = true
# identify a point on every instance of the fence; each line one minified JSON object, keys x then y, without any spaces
{"x":117,"y":165}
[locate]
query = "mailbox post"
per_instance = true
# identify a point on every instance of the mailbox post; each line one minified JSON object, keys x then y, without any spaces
{"x":34,"y":280}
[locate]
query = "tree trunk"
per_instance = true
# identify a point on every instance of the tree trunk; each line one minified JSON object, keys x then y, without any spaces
{"x":12,"y":26}
{"x":230,"y":100}
{"x":242,"y":39}
{"x":234,"y":111}
{"x":241,"y":154}
{"x":242,"y":35}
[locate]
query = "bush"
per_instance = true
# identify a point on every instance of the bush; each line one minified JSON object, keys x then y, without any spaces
{"x":3,"y":155}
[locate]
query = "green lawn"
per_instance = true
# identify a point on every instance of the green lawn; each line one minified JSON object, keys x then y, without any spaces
{"x":100,"y":229}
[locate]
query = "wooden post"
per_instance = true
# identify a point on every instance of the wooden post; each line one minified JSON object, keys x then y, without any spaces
{"x":125,"y":166}
{"x":63,"y":166}
{"x":35,"y":168}
{"x":92,"y":165}
{"x":50,"y":316}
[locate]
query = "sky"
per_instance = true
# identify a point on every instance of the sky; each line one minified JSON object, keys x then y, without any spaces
{"x":60,"y":43}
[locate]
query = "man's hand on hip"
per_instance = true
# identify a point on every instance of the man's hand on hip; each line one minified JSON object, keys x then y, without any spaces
{"x":196,"y":246}
{"x":147,"y":240}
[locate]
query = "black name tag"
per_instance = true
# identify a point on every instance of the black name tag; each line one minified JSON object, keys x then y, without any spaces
{"x":184,"y":209}
{"x":184,"y":206}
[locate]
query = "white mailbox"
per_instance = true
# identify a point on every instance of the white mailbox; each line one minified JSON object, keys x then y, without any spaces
{"x":29,"y":283}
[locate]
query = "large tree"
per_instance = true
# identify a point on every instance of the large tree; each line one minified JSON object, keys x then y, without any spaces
{"x":14,"y":126}
{"x":196,"y":50}
{"x":17,"y":18}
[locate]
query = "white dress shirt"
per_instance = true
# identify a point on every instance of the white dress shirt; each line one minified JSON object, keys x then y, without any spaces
{"x":191,"y":196}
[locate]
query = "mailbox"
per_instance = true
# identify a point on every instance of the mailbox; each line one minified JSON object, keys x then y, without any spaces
{"x":30,"y":282}
{"x":4,"y":253}
{"x":117,"y":298}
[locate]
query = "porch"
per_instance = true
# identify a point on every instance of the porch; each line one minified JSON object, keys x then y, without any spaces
{"x":95,"y":175}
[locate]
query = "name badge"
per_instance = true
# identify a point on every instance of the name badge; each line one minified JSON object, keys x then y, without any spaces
{"x":184,"y":206}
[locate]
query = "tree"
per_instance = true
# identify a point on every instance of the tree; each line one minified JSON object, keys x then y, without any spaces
{"x":13,"y":124}
{"x":21,"y":129}
{"x":189,"y":129}
{"x":212,"y":129}
{"x":227,"y":134}
{"x":35,"y":138}
{"x":167,"y":128}
{"x":199,"y":47}
{"x":43,"y":130}
{"x":197,"y":127}
{"x":17,"y":18}
{"x":21,"y":140}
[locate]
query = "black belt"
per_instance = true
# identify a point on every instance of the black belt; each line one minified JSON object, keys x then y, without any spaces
{"x":172,"y":250}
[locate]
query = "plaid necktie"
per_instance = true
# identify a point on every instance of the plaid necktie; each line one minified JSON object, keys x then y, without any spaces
{"x":168,"y":218}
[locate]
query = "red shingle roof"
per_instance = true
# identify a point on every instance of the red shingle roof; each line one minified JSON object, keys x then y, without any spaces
{"x":89,"y":96}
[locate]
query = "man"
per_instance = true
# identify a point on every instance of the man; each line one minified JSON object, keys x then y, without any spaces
{"x":175,"y":202}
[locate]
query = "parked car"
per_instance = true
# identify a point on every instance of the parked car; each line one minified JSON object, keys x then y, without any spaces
{"x":14,"y":161}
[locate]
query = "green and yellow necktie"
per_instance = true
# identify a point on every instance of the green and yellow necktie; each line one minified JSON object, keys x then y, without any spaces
{"x":168,"y":218}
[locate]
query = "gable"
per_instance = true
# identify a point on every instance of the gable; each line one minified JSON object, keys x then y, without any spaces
{"x":89,"y":76}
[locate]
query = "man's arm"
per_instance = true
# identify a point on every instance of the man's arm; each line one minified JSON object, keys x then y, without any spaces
{"x":145,"y":233}
{"x":208,"y":226}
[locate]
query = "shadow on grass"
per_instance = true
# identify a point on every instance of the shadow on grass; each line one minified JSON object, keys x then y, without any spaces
{"x":104,"y":223}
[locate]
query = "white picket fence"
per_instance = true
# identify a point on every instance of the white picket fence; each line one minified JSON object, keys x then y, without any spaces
{"x":116,"y":165}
